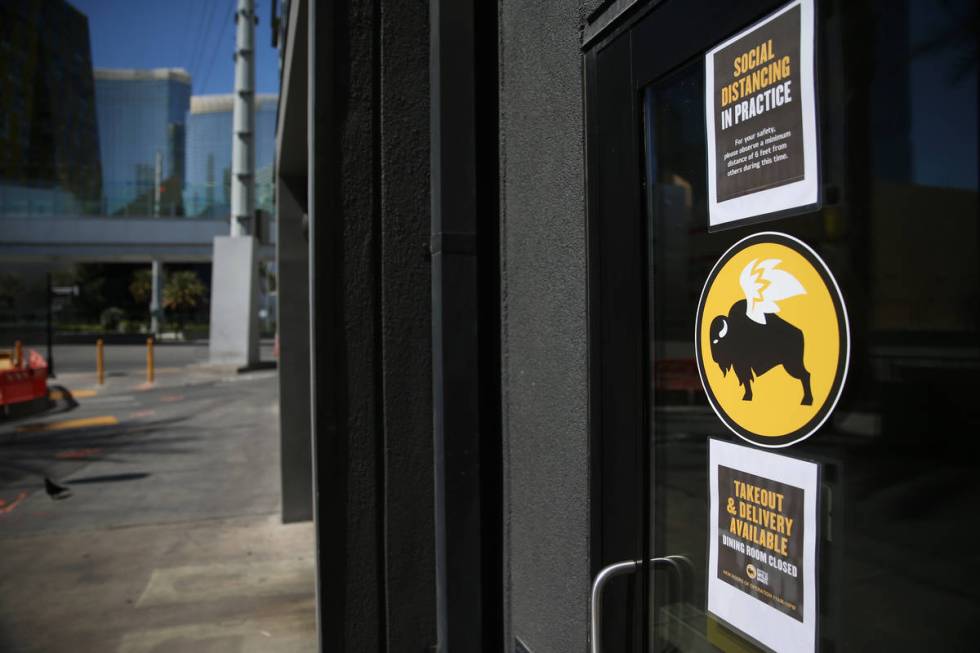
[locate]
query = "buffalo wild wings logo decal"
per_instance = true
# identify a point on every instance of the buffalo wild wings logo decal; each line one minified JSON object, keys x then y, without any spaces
{"x":772,"y":339}
{"x":749,"y":344}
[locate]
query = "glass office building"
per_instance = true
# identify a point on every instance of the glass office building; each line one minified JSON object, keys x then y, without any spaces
{"x":207,"y":191}
{"x":142,"y":116}
{"x":49,"y":146}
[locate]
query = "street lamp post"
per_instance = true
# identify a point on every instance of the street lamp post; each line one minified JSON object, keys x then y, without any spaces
{"x":50,"y":335}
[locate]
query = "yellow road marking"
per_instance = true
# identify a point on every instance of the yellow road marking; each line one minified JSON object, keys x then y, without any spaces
{"x":82,"y":422}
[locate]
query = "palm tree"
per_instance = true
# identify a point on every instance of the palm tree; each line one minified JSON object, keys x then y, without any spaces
{"x":183,"y":293}
{"x":140,"y":289}
{"x":141,"y":286}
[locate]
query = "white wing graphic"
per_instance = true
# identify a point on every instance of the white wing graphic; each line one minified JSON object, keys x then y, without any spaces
{"x":764,"y":285}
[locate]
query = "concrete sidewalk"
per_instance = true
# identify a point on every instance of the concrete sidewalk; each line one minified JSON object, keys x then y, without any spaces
{"x":171,"y":539}
{"x":229,"y":585}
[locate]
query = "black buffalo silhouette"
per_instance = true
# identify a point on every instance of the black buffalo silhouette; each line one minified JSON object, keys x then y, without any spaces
{"x":751,"y":349}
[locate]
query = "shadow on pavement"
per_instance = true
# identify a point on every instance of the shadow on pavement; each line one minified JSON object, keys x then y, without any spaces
{"x":26,"y":458}
{"x":108,"y":478}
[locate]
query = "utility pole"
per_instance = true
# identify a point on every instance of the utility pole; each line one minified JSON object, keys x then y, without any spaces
{"x":243,"y":119}
{"x":234,"y":335}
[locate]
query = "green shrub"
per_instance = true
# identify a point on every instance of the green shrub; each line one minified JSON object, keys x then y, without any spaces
{"x":111,"y":317}
{"x":130,"y":326}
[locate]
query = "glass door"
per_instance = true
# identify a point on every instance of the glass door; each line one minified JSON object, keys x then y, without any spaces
{"x":897,"y":559}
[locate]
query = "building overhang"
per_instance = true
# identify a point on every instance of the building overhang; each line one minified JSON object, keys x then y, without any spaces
{"x":291,"y":130}
{"x":112,"y":240}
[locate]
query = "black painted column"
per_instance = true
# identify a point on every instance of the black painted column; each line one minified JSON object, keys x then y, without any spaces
{"x":465,"y":325}
{"x":406,"y":327}
{"x":345,"y":315}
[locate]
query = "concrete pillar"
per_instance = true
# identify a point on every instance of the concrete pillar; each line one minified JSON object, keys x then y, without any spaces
{"x":156,"y":294}
{"x":243,"y":141}
{"x":234,"y":337}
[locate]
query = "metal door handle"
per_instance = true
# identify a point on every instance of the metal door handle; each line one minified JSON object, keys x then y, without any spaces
{"x":679,"y":564}
{"x":599,"y":584}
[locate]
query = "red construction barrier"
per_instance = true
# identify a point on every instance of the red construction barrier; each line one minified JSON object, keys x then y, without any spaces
{"x":24,"y":384}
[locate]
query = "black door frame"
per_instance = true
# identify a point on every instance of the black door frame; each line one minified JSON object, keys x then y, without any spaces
{"x":656,"y":39}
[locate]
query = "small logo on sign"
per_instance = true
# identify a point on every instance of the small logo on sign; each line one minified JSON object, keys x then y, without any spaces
{"x":756,"y":574}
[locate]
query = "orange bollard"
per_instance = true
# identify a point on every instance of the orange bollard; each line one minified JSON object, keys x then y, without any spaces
{"x":18,"y":354}
{"x":100,"y":360}
{"x":149,"y":360}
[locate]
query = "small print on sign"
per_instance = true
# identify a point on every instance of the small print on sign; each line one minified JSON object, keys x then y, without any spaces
{"x":762,"y":553}
{"x":761,"y":120}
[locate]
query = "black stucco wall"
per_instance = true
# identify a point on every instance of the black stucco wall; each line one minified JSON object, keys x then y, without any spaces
{"x":543,"y":254}
{"x":372,"y":336}
{"x":406,"y":330}
{"x":346,"y":337}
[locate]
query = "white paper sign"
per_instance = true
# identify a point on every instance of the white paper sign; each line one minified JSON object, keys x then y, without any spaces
{"x":760,"y":117}
{"x":763,"y":529}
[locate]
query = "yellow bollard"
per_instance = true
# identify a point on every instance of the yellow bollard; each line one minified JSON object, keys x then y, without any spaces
{"x":149,"y":360}
{"x":18,"y":354}
{"x":100,"y":360}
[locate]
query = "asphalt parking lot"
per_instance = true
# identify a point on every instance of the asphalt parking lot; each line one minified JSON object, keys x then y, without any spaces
{"x":170,"y":539}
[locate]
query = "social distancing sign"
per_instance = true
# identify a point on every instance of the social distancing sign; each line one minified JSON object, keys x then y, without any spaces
{"x":760,"y":119}
{"x":772,"y":339}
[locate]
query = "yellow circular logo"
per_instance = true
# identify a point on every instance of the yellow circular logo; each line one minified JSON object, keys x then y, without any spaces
{"x":772,"y":339}
{"x":750,"y":571}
